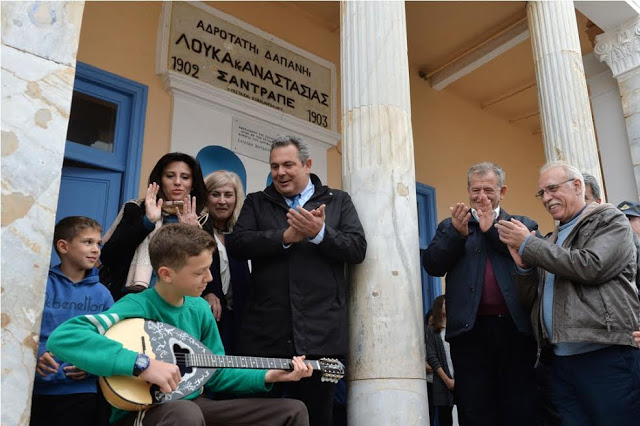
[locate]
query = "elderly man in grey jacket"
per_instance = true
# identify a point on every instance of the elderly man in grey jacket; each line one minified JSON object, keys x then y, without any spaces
{"x":580,"y":280}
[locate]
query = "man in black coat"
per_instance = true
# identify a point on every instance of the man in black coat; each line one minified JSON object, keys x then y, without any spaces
{"x":492,"y":347}
{"x":299,"y":235}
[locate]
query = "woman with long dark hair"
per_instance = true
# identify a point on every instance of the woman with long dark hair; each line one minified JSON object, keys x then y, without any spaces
{"x":439,"y":358}
{"x":175,"y":193}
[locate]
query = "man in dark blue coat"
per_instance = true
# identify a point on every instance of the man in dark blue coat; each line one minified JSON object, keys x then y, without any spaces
{"x":489,"y":331}
{"x":299,"y":234}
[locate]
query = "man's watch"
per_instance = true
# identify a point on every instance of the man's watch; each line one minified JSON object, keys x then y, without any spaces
{"x":142,"y":363}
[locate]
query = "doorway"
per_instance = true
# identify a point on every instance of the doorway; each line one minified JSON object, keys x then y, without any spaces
{"x":103,"y":150}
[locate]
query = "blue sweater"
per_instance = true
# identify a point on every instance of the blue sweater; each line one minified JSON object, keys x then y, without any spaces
{"x":65,"y":300}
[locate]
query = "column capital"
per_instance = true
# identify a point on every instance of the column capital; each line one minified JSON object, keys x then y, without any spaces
{"x":620,"y":48}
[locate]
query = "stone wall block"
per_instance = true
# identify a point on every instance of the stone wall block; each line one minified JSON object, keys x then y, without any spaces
{"x":631,"y":103}
{"x":47,"y":29}
{"x":633,"y":126}
{"x":634,"y":146}
{"x":630,"y":82}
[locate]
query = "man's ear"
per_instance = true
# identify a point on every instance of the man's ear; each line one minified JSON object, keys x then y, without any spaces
{"x":165,"y":273}
{"x":577,"y":184}
{"x":307,"y":164}
{"x":62,"y":246}
{"x":503,"y":191}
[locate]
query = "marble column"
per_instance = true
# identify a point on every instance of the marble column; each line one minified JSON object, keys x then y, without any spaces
{"x":565,"y":113}
{"x":620,"y":49}
{"x":39,"y":46}
{"x":386,"y":375}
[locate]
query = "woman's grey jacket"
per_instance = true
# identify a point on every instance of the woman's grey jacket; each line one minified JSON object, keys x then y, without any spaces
{"x":436,"y":357}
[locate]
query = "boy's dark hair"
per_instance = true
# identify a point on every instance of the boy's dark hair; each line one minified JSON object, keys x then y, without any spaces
{"x":174,"y":243}
{"x":198,"y":189}
{"x":69,"y":227}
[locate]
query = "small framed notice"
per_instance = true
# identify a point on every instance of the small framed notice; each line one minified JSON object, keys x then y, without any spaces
{"x":252,"y":139}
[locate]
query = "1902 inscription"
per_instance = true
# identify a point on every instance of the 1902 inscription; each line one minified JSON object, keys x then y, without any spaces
{"x":186,"y":67}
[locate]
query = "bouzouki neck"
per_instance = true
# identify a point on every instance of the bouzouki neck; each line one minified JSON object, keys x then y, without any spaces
{"x":250,"y":362}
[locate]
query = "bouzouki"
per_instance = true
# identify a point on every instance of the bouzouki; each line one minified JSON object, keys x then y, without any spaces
{"x":197,"y":363}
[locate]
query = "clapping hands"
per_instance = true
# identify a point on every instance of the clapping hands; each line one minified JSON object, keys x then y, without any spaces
{"x":303,"y":223}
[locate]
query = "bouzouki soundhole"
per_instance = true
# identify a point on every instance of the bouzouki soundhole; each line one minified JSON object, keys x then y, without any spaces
{"x":180,"y":360}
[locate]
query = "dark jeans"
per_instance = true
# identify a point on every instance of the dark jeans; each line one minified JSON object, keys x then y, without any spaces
{"x":598,"y":388}
{"x":494,"y":374}
{"x":547,"y":411}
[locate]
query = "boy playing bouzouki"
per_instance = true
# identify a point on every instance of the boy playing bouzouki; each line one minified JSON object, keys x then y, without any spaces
{"x":180,"y":255}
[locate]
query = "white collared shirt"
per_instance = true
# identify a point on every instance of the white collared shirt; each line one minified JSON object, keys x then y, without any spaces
{"x":496,"y":213}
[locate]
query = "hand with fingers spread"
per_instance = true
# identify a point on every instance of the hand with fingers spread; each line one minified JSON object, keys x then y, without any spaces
{"x":152,"y":204}
{"x":460,"y":215}
{"x":307,"y":223}
{"x":485,"y":213}
{"x":74,"y":372}
{"x":189,"y":213}
{"x":300,"y":370}
{"x":165,"y":375}
{"x":47,"y":364}
{"x":214,"y":304}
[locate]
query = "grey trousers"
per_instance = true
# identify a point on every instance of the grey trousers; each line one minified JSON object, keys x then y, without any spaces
{"x":204,"y":411}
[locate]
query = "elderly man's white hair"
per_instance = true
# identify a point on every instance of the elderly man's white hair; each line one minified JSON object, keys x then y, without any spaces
{"x":572,"y":172}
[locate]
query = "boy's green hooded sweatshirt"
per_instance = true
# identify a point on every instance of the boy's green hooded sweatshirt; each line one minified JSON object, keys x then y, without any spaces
{"x":81,"y":341}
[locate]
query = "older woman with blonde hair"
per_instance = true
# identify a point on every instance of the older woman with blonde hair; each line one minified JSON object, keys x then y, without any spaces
{"x":228,"y":291}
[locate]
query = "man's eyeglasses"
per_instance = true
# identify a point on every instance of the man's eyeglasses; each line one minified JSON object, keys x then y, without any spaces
{"x":551,"y":189}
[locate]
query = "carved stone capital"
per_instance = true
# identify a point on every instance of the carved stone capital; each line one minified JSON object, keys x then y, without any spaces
{"x":620,"y":49}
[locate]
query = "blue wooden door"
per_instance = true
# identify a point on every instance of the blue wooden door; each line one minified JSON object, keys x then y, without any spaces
{"x":88,"y":192}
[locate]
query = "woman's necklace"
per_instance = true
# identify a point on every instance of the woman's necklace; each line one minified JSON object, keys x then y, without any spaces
{"x":220,"y":231}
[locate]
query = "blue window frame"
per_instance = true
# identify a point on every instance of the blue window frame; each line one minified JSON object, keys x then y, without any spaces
{"x":130,"y":98}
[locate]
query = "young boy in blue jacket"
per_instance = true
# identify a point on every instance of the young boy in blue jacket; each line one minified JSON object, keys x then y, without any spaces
{"x":62,"y":393}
